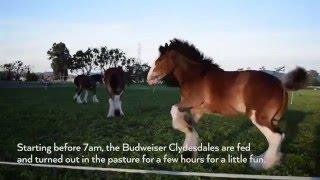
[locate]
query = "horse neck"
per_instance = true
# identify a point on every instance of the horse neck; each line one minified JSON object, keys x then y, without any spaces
{"x":187,"y":71}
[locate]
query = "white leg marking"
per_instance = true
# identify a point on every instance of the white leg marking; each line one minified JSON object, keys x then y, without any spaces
{"x":272,"y":155}
{"x":121,"y":112}
{"x":79,"y":99}
{"x":111,"y":108}
{"x":86,"y":96}
{"x":178,"y":122}
{"x":75,"y":96}
{"x":95,"y":99}
{"x":117,"y":102}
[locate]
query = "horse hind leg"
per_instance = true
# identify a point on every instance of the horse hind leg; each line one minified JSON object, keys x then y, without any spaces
{"x":180,"y":123}
{"x":274,"y":137}
{"x":76,"y":94}
{"x":85,"y":99}
{"x":79,"y":101}
{"x":94,"y":97}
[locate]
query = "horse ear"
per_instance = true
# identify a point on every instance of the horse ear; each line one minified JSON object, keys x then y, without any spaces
{"x":161,"y":49}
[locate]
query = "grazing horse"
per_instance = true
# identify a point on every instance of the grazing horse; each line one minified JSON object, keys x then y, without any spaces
{"x":205,"y":88}
{"x":114,"y":79}
{"x":84,"y":82}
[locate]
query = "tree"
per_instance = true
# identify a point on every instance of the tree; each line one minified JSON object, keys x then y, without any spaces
{"x":101,"y":58}
{"x":8,"y":68}
{"x":82,"y":61}
{"x":15,"y":70}
{"x":116,"y":57}
{"x":107,"y":58}
{"x":19,"y":69}
{"x":262,"y":68}
{"x":60,"y":60}
{"x":313,"y":78}
{"x":280,"y":69}
{"x":313,"y":73}
{"x":32,"y":76}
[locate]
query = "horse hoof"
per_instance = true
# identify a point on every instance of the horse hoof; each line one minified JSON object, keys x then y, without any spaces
{"x":188,"y":154}
{"x":257,"y":162}
{"x":262,"y":162}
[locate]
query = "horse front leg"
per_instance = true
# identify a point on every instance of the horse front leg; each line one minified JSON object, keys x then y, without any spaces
{"x":121,"y":111}
{"x":111,"y":108}
{"x":85,"y":99}
{"x":181,"y":122}
{"x":274,"y":137}
{"x":76,"y":94}
{"x":94,"y":97}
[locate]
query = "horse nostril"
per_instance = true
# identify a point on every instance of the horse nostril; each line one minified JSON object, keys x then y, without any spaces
{"x":117,"y":112}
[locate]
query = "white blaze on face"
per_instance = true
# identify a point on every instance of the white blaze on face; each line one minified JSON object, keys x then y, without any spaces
{"x":151,"y":75}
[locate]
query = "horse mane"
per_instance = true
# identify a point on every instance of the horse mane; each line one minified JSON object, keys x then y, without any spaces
{"x":190,"y":51}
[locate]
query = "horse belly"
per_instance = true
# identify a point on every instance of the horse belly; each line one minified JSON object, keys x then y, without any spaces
{"x":221,"y":110}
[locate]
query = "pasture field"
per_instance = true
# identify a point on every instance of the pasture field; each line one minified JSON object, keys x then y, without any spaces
{"x":39,"y":116}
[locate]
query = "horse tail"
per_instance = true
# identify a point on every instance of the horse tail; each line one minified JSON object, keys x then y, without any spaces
{"x":295,"y":79}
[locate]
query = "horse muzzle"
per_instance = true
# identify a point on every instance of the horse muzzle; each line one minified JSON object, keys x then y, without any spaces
{"x":117,"y":112}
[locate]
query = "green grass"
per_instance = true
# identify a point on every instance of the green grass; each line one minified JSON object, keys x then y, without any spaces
{"x":38,"y":116}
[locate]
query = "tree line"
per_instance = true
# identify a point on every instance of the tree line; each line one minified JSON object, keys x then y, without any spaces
{"x":94,"y":59}
{"x":15,"y":71}
{"x":98,"y":60}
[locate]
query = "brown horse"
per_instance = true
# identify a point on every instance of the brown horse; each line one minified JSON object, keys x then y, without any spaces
{"x":207,"y":89}
{"x":87,"y":83}
{"x":114,"y":79}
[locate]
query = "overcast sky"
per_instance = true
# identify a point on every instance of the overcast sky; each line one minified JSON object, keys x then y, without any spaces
{"x":237,"y":34}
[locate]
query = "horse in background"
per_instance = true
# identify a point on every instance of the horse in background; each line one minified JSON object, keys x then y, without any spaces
{"x":205,"y":88}
{"x":86,"y":83}
{"x":114,"y":79}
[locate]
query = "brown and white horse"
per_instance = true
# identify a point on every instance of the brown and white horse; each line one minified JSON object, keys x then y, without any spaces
{"x":114,"y":79}
{"x":207,"y":89}
{"x":87,"y":83}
